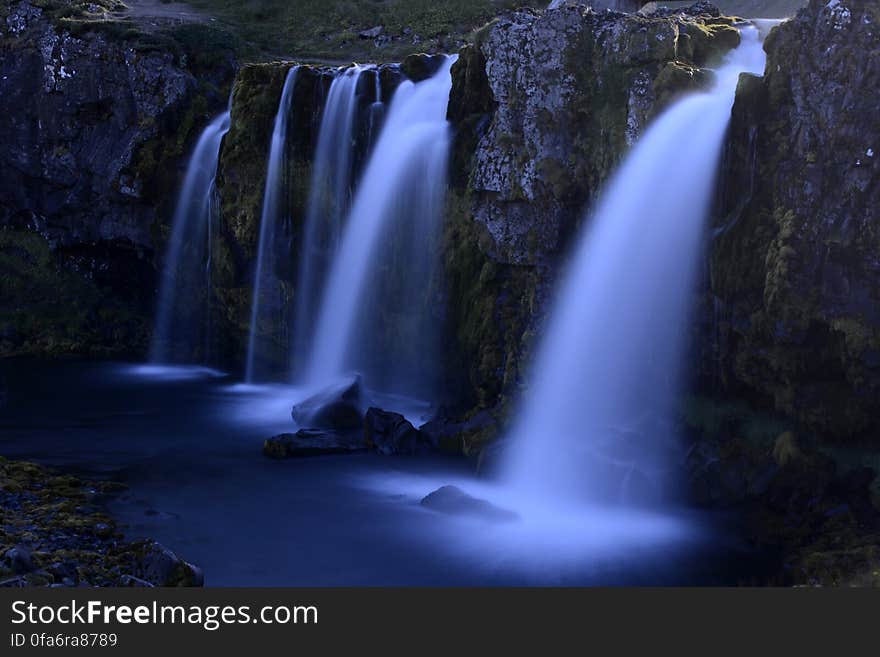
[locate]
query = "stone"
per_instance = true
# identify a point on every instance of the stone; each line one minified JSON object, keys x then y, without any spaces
{"x":420,"y":66}
{"x":339,"y":407}
{"x":454,"y":501}
{"x":134,"y":582}
{"x":18,"y":559}
{"x":371,"y":33}
{"x":154,"y":563}
{"x":313,"y":442}
{"x":391,"y":433}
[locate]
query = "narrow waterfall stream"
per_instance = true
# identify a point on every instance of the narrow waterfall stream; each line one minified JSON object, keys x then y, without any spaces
{"x":265,"y":282}
{"x":180,"y":328}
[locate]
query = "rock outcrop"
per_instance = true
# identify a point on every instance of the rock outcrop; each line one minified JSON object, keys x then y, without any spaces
{"x":98,"y":116}
{"x":793,"y":314}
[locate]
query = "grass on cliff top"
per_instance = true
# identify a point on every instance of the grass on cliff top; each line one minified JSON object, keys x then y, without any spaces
{"x":329,"y":29}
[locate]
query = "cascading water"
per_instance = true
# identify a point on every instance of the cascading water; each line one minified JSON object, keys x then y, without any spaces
{"x":264,"y":277}
{"x":402,"y":186}
{"x":179,"y":332}
{"x":593,"y":425}
{"x":329,"y":200}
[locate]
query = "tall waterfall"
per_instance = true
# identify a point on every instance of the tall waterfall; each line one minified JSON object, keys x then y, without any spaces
{"x":594,"y":424}
{"x":264,"y":278}
{"x":179,"y":335}
{"x":329,"y":200}
{"x":400,"y":193}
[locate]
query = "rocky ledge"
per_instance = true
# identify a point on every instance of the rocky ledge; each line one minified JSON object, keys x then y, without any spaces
{"x":53,"y":532}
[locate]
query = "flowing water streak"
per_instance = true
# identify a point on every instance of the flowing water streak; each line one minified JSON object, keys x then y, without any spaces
{"x":191,"y":226}
{"x":415,"y":137}
{"x":593,"y":427}
{"x":329,"y":199}
{"x":264,"y":275}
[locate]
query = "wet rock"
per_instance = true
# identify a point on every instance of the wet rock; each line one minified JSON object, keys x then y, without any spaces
{"x":18,"y":559}
{"x":17,"y":582}
{"x":454,"y":501}
{"x":450,"y":435}
{"x":154,"y":563}
{"x":134,"y":582}
{"x":338,"y":408}
{"x":65,"y":572}
{"x":313,"y":442}
{"x":420,"y":66}
{"x":391,"y":433}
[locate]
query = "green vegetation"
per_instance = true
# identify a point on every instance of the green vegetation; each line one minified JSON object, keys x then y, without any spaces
{"x":329,"y":29}
{"x":749,"y":8}
{"x":32,"y":280}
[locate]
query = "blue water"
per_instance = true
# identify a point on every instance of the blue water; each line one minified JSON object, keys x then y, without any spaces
{"x":187,"y":442}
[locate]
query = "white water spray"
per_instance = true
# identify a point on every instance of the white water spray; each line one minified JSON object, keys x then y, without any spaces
{"x":264,"y":276}
{"x":329,"y":200}
{"x":179,"y":321}
{"x":410,"y":155}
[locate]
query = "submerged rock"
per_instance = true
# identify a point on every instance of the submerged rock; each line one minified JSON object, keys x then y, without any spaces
{"x":454,"y":501}
{"x":338,"y":408}
{"x":391,"y":433}
{"x":313,"y":442}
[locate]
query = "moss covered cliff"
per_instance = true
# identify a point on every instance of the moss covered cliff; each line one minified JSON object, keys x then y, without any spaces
{"x":100,"y":117}
{"x":795,"y":281}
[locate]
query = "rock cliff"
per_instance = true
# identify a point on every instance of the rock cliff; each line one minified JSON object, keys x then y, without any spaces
{"x":795,"y":277}
{"x":99,"y":115}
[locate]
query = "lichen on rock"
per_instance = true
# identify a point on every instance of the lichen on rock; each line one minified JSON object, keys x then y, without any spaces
{"x":794,"y":270}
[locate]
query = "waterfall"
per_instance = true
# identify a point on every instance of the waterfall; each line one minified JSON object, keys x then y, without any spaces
{"x":265,"y":282}
{"x":594,"y":424}
{"x":401,"y":191}
{"x":329,"y":200}
{"x":185,"y":283}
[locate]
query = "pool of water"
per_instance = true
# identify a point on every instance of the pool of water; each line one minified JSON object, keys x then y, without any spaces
{"x":187,"y":442}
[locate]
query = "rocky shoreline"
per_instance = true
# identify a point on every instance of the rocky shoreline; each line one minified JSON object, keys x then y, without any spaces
{"x":54,"y":532}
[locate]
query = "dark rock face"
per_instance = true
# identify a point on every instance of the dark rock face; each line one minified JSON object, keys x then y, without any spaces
{"x":313,"y":442}
{"x":454,"y":501}
{"x":338,"y":408}
{"x":391,"y":433}
{"x":89,"y":175}
{"x":795,"y":279}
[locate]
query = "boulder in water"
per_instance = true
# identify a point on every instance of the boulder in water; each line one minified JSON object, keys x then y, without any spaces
{"x":313,"y":442}
{"x":154,"y":564}
{"x":391,"y":433}
{"x":338,"y":408}
{"x":454,"y":501}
